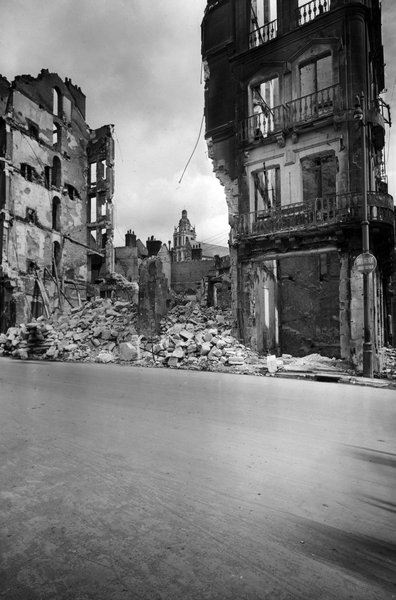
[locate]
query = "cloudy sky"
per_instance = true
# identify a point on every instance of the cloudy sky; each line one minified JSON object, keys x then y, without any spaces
{"x":139,"y":64}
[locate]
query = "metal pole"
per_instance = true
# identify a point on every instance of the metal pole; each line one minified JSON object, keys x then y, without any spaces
{"x":367,"y":344}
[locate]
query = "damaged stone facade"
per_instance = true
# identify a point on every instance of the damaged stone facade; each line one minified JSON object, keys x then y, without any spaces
{"x":48,"y":154}
{"x":281,"y":81}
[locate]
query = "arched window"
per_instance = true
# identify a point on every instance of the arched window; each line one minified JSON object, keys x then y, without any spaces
{"x":56,"y":204}
{"x":56,"y":172}
{"x":56,"y":102}
{"x":56,"y":258}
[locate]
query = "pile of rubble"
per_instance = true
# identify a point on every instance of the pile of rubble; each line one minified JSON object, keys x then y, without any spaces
{"x":191,"y":337}
{"x":89,"y":333}
{"x":388,"y":361}
{"x":104,"y":331}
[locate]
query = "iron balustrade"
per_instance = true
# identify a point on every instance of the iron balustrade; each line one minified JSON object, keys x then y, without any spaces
{"x":317,"y":213}
{"x":313,"y":106}
{"x":263,"y":124}
{"x":263,"y":34}
{"x":286,"y":116}
{"x":309,"y":11}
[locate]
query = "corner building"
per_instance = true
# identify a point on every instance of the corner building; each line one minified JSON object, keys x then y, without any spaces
{"x":281,"y":85}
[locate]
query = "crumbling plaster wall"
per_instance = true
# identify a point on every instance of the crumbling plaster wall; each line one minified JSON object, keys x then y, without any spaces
{"x":187,"y":275}
{"x":29,"y":237}
{"x":309,"y":303}
{"x":231,"y":191}
{"x":127,"y":262}
{"x":153,"y":296}
{"x":258,"y":305}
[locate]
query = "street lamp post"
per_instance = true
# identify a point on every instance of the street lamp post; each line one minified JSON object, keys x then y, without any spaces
{"x":360,"y":115}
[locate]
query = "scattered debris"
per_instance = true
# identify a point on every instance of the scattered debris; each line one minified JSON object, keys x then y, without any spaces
{"x":191,"y":337}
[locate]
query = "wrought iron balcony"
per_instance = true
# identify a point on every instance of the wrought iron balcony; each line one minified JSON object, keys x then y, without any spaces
{"x":318,"y":213}
{"x":286,"y":116}
{"x":309,"y":11}
{"x":263,"y":34}
{"x":261,"y":125}
{"x":314,"y":106}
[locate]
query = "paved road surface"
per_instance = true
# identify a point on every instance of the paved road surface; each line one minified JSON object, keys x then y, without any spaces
{"x":130,"y":483}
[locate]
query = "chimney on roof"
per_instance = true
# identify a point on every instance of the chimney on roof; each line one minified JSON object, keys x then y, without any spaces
{"x":130,"y":239}
{"x":153,"y":246}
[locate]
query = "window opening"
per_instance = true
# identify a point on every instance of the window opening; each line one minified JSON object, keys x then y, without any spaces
{"x":92,"y":209}
{"x":104,"y":169}
{"x":56,"y":134}
{"x":316,"y":76}
{"x":265,"y":98}
{"x":72,"y":192}
{"x":319,"y":176}
{"x":34,"y":131}
{"x":56,"y":102}
{"x":56,"y":258}
{"x":31,"y":215}
{"x":263,"y":21}
{"x":267,"y":190}
{"x":56,"y":172}
{"x":56,"y":204}
{"x":47,"y":177}
{"x":92,"y":173}
{"x":27,"y":171}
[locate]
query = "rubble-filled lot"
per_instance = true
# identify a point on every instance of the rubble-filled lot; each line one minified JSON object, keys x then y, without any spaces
{"x":105,"y":331}
{"x":192,"y":337}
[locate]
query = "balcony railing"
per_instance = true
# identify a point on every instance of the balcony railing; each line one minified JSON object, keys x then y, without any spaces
{"x":283,"y":117}
{"x":313,"y":106}
{"x":309,"y":11}
{"x":263,"y":34}
{"x":337,"y":209}
{"x":261,"y":125}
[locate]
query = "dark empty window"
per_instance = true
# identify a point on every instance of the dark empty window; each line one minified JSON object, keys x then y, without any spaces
{"x":47,"y":177}
{"x":319,"y":176}
{"x":27,"y":171}
{"x":31,"y":215}
{"x":34,"y":131}
{"x":56,"y":259}
{"x":56,"y":213}
{"x":56,"y":172}
{"x":72,"y":192}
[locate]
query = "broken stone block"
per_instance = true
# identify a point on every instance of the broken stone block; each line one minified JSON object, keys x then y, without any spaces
{"x":95,"y":342}
{"x":173,"y":361}
{"x":52,"y":352}
{"x":235,"y":360}
{"x":128,"y":351}
{"x":187,"y":335}
{"x":207,"y":336}
{"x":105,"y":357}
{"x":178,"y":353}
{"x":205,"y":348}
{"x":70,"y":347}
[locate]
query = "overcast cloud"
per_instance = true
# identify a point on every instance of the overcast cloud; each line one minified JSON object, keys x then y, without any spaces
{"x":139,"y":64}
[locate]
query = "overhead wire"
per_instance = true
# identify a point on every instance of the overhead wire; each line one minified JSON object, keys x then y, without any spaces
{"x":195,"y":147}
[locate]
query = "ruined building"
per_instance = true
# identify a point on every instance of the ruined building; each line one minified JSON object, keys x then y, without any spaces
{"x":56,"y":188}
{"x":282,"y":81}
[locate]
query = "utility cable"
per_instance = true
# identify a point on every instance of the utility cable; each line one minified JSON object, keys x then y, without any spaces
{"x":195,"y":147}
